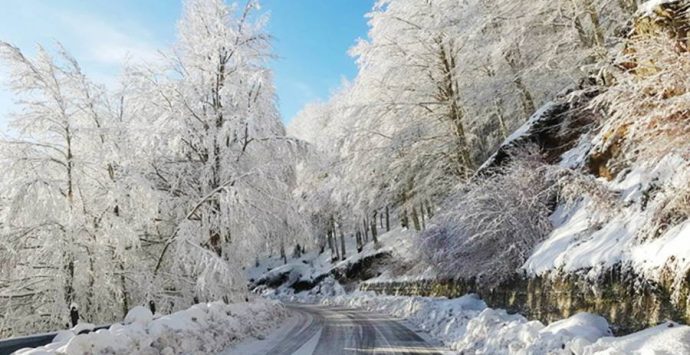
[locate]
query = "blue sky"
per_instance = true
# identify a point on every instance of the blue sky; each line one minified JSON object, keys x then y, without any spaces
{"x":311,"y":39}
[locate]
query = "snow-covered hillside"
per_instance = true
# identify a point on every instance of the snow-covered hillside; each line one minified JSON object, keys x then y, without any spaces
{"x":380,"y":261}
{"x":591,"y":240}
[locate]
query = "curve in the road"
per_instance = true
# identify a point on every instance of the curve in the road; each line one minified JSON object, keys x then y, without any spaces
{"x":332,"y":330}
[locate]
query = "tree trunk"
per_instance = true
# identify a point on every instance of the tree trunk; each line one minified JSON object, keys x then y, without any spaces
{"x":581,"y":33}
{"x":358,"y":238}
{"x":323,"y":243}
{"x":335,"y":239}
{"x":342,"y":244}
{"x":297,"y":251}
{"x":429,"y":209}
{"x":366,"y":230}
{"x":448,"y":93}
{"x":69,"y":263}
{"x":404,"y":221}
{"x":123,"y":289}
{"x":594,"y":18}
{"x":283,"y":255}
{"x":69,"y":283}
{"x":415,"y":219}
{"x":330,"y":243}
{"x":513,"y":58}
{"x":374,"y":232}
{"x":421,"y":212}
{"x":388,"y":220}
{"x":498,"y":104}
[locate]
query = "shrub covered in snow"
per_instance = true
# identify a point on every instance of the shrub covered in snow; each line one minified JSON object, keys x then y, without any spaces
{"x":490,"y":227}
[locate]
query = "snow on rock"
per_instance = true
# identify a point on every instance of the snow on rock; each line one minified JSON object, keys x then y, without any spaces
{"x":573,"y":245}
{"x":575,"y":157}
{"x":138,"y":314}
{"x":667,"y":338}
{"x":203,"y":328}
{"x":328,"y":287}
{"x":520,"y":135}
{"x":82,"y":327}
{"x":648,"y":8}
{"x":494,"y":331}
{"x":311,"y":267}
{"x":583,"y":241}
{"x":673,"y":245}
{"x":585,"y":325}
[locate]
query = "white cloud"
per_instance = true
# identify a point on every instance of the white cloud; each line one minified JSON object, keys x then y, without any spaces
{"x":99,"y":42}
{"x":108,"y":44}
{"x":305,"y":90}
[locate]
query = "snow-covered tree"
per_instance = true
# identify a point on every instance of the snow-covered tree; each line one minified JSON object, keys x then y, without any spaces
{"x":220,"y":152}
{"x":440,"y":84}
{"x":72,"y":208}
{"x":160,"y":191}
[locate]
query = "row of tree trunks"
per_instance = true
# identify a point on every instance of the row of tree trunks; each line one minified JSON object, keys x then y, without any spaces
{"x":418,"y":214}
{"x":369,"y":229}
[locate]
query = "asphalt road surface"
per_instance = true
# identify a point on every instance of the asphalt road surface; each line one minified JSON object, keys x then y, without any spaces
{"x":331,"y":331}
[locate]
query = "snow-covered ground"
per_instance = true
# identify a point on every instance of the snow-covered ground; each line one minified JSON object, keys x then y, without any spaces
{"x":311,"y":266}
{"x":590,"y":239}
{"x":467,"y":326}
{"x":205,"y":328}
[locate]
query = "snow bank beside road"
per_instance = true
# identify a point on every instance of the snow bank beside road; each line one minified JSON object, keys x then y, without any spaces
{"x":201,"y":329}
{"x":466,"y":325}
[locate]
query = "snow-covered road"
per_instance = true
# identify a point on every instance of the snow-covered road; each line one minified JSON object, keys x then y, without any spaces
{"x":333,"y":330}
